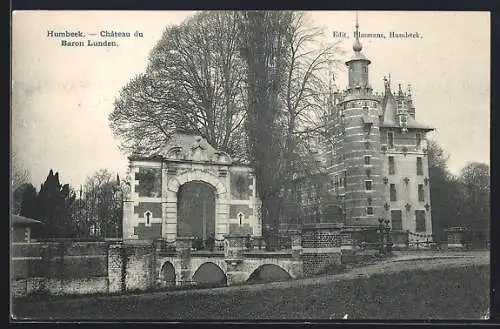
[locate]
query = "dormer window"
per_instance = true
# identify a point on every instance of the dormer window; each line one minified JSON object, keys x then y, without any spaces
{"x":419,"y":139}
{"x":403,"y":122}
{"x":390,"y":139}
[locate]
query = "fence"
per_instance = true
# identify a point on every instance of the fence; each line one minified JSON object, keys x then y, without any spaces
{"x":216,"y":245}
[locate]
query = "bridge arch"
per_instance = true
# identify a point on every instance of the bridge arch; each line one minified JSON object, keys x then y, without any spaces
{"x":167,"y":274}
{"x":269,"y":273}
{"x":210,"y":274}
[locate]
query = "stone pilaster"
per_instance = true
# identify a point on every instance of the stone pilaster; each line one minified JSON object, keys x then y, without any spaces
{"x":296,"y":238}
{"x":233,"y":254}
{"x":183,"y":248}
{"x":321,"y":247}
{"x":128,"y":220}
{"x":115,"y":268}
{"x":169,"y":229}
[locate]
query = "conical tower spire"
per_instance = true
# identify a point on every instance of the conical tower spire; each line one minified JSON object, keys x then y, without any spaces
{"x":357,"y":47}
{"x":358,"y":63}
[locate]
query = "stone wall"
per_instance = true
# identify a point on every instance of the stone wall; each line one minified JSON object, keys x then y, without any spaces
{"x":321,"y":247}
{"x":59,"y":268}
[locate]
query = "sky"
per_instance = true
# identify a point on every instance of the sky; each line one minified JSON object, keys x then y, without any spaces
{"x":62,"y":96}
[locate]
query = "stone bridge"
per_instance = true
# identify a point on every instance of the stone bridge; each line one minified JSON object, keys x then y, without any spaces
{"x":146,"y":265}
{"x":213,"y":269}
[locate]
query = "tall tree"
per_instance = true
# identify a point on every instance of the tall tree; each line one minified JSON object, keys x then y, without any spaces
{"x":286,"y":71}
{"x":193,"y":82}
{"x":99,"y":209}
{"x":28,"y":207}
{"x":20,"y":178}
{"x":446,"y":198}
{"x":54,"y":204}
{"x":251,"y":83}
{"x":264,"y":50}
{"x":475,"y":180}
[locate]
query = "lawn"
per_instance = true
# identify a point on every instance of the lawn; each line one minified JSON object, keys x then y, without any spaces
{"x":446,"y":293}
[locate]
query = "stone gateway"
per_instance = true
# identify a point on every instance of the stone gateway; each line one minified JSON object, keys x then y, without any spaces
{"x":189,"y":189}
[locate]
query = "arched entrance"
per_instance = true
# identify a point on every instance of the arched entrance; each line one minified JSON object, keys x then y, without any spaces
{"x":196,"y":210}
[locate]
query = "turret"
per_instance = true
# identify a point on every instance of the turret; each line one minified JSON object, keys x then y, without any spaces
{"x":358,"y":64}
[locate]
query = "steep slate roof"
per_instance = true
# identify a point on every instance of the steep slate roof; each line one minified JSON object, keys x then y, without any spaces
{"x":390,"y":111}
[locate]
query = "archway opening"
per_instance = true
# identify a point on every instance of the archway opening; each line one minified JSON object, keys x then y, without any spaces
{"x":196,"y":212}
{"x":168,"y":274}
{"x":210,"y":275}
{"x":268,"y":273}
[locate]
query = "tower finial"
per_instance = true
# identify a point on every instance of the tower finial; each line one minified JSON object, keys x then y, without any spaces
{"x":357,"y":24}
{"x":357,"y":45}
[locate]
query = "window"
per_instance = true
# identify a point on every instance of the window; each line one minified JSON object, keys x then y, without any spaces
{"x":369,"y":211}
{"x":390,"y":139}
{"x":392,"y":192}
{"x":420,"y":220}
{"x":418,"y":136}
{"x":420,"y":169}
{"x":365,"y":69}
{"x":421,"y":194}
{"x":400,"y":104}
{"x":368,"y":185}
{"x":369,"y":201}
{"x":365,"y":110}
{"x":396,"y":222}
{"x":367,"y":159}
{"x":392,"y":168}
{"x":345,"y":179}
{"x":336,"y":181}
{"x":367,"y":145}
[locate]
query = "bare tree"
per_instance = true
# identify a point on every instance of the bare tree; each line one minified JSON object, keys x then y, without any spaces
{"x":287,"y":69}
{"x":194,"y":82}
{"x":99,"y":205}
{"x":19,"y":174}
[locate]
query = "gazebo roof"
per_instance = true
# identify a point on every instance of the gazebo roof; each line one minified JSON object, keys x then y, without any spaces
{"x":21,"y":220}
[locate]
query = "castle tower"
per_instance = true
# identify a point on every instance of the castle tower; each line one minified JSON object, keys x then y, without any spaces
{"x":355,"y":157}
{"x":405,"y":165}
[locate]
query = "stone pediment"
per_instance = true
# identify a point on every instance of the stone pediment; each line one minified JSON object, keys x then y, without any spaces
{"x":183,"y":147}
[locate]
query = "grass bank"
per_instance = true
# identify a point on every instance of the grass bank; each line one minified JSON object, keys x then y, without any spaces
{"x":448,"y":293}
